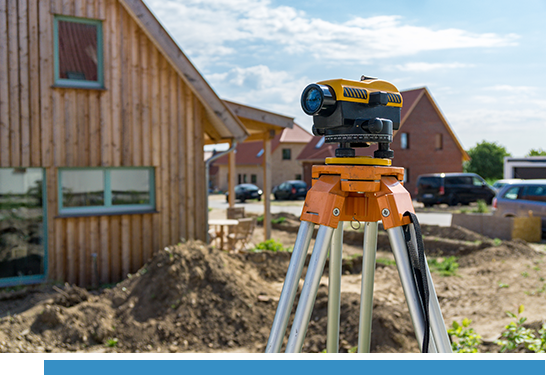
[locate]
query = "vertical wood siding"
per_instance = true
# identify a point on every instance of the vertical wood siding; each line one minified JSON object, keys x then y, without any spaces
{"x":146,"y":116}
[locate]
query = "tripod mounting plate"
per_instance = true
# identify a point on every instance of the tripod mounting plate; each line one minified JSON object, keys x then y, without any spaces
{"x":358,"y":192}
{"x":358,"y":160}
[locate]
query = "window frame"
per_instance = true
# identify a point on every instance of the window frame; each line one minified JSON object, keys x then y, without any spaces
{"x":74,"y":83}
{"x":439,"y":140}
{"x":40,"y":278}
{"x":286,"y":154}
{"x":108,"y":208}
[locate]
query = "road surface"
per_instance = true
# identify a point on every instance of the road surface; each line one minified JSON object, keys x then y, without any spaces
{"x":442,"y":219}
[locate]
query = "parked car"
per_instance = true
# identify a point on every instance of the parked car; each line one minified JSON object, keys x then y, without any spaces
{"x":452,"y":188}
{"x":292,"y":189}
{"x":500,"y":183}
{"x":246,"y":191}
{"x":520,"y":198}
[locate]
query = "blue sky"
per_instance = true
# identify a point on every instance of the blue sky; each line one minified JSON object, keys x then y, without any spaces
{"x":483,"y":61}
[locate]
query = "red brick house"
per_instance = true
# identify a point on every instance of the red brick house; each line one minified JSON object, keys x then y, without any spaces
{"x":425,"y":143}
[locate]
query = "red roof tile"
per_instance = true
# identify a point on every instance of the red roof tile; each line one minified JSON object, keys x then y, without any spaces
{"x":248,"y":153}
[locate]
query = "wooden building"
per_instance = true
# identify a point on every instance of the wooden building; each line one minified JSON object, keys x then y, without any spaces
{"x":424,"y":143}
{"x":102,"y":125}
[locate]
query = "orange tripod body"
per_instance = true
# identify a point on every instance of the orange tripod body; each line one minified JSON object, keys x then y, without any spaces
{"x":364,"y":193}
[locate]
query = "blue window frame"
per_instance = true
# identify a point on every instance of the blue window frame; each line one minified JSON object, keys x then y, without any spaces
{"x":78,"y":52}
{"x":99,"y":191}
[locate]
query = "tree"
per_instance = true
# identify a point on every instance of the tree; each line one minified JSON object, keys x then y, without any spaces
{"x":539,"y":152}
{"x":487,"y":160}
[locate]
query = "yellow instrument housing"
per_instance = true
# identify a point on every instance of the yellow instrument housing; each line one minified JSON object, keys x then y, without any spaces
{"x":359,"y":91}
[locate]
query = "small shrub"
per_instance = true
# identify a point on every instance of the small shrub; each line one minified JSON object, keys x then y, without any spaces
{"x":260,"y":219}
{"x":467,"y":341}
{"x":497,"y":241}
{"x":481,"y":208}
{"x":517,"y":337}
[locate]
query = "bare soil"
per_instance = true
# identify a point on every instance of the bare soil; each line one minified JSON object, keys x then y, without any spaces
{"x":195,"y":298}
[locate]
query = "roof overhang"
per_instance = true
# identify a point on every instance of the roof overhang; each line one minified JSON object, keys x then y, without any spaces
{"x":259,"y":123}
{"x":221,"y":124}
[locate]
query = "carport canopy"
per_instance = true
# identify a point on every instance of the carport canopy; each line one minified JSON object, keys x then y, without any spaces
{"x":260,"y":125}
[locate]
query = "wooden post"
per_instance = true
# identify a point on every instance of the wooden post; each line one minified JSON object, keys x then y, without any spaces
{"x":231,"y":178}
{"x":267,"y":184}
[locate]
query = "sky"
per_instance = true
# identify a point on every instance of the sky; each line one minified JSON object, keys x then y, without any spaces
{"x":483,"y":61}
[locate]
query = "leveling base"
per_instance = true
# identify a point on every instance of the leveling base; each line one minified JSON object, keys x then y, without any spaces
{"x":365,"y":190}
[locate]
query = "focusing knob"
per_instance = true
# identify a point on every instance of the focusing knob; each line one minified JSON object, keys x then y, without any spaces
{"x":375,"y":126}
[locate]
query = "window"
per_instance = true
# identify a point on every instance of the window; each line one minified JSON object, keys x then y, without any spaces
{"x":439,"y":141}
{"x":298,"y":177}
{"x":78,"y":52}
{"x":478,"y":181}
{"x":88,"y":191}
{"x":320,"y":143}
{"x":406,"y":175}
{"x":286,"y":154}
{"x":512,"y":193}
{"x":458,"y":180}
{"x":253,"y":178}
{"x":404,"y":141}
{"x":23,"y":228}
{"x":534,"y":193}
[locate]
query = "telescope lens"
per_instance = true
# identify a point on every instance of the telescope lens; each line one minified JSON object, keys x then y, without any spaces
{"x":317,"y":99}
{"x":313,"y":100}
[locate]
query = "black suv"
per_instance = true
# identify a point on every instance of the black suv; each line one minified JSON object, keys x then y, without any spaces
{"x":452,"y":188}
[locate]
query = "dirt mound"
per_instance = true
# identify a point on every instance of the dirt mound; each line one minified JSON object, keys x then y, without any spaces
{"x":192,"y":298}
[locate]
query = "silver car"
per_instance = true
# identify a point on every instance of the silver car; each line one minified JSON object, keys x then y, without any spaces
{"x":521,"y":199}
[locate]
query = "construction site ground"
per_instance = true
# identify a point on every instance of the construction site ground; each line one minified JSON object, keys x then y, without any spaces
{"x":195,"y":298}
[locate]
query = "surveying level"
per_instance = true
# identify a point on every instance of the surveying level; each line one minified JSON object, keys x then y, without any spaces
{"x":354,"y":113}
{"x":362,"y":189}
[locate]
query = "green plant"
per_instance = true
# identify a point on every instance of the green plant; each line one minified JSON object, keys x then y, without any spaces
{"x":467,"y":341}
{"x":497,"y":241}
{"x":525,"y":274}
{"x":482,"y":207}
{"x":503,"y":285}
{"x":112,"y":343}
{"x":270,"y":245}
{"x":260,"y":219}
{"x":278,"y":220}
{"x":516,"y":336}
{"x":445,"y":267}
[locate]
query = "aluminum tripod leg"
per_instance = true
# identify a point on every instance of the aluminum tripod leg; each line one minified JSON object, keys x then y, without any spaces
{"x":309,"y":291}
{"x":437,"y":324}
{"x":403,"y":264}
{"x":366,"y":293}
{"x":290,"y":287}
{"x":334,"y":290}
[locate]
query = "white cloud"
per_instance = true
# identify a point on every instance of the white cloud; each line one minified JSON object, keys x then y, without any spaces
{"x":259,"y":86}
{"x":426,"y":67}
{"x":210,"y":29}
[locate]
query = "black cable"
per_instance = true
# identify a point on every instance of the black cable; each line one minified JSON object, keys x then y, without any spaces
{"x":419,"y":267}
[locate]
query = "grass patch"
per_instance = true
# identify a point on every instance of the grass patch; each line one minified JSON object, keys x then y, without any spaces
{"x":444,"y":266}
{"x":386,"y":261}
{"x":271,"y":245}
